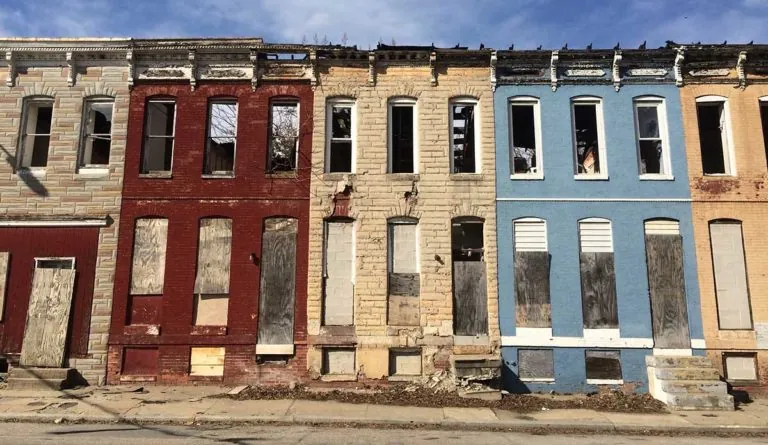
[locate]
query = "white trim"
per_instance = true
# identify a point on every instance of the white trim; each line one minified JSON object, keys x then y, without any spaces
{"x":530,"y":235}
{"x":763,"y":99}
{"x":284,"y":101}
{"x":87,"y":103}
{"x":698,"y":343}
{"x":90,"y":222}
{"x":661,"y":115}
{"x":465,"y":101}
{"x":599,"y":199}
{"x":534,"y":333}
{"x":605,"y":382}
{"x":536,"y":104}
{"x":538,"y":380}
{"x":341,"y":103}
{"x":652,"y":177}
{"x":672,"y":352}
{"x":602,"y":334}
{"x":209,"y":139}
{"x":262,"y":349}
{"x":662,"y":227}
{"x":595,"y":235}
{"x":145,"y":136}
{"x":711,"y":98}
{"x":33,"y":172}
{"x":601,"y":147}
{"x":403,"y":102}
{"x":575,"y":342}
{"x":21,"y":149}
{"x":92,"y":172}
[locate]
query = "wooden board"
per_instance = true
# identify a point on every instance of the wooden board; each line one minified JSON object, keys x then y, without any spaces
{"x":140,"y":361}
{"x":664,"y":256}
{"x":4,"y":263}
{"x":214,"y":253}
{"x":207,"y":362}
{"x":45,"y":333}
{"x":598,"y":290}
{"x":278,"y":282}
{"x":338,"y":361}
{"x":536,"y":364}
{"x":470,"y":300}
{"x":733,"y":308}
{"x":603,"y":365}
{"x":404,"y":284}
{"x":403,"y":311}
{"x":404,"y":362}
{"x":338,"y":285}
{"x":532,"y":289}
{"x":149,"y":245}
{"x":211,"y":310}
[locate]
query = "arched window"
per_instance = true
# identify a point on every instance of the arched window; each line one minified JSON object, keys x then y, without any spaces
{"x":96,"y":133}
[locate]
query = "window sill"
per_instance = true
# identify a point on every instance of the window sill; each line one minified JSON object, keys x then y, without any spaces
{"x":605,"y":382}
{"x":583,"y":177}
{"x":339,"y":378}
{"x":218,"y":176}
{"x":718,"y":175}
{"x":466,"y":176}
{"x":657,"y":178}
{"x":526,"y":177}
{"x":156,"y":175}
{"x":338,"y":176}
{"x":39,"y":173}
{"x":262,"y":349}
{"x":403,"y":176}
{"x":92,"y":173}
{"x":535,"y":380}
{"x":404,"y":378}
{"x":282,"y":175}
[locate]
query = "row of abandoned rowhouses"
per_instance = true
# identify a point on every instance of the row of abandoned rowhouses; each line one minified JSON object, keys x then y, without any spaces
{"x":230,"y":210}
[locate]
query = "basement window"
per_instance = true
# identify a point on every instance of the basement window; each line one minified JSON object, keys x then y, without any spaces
{"x":404,"y":362}
{"x":222,"y":135}
{"x":536,"y":365}
{"x":464,"y":130}
{"x":159,"y":135}
{"x":603,"y":367}
{"x":714,"y":135}
{"x":589,"y":144}
{"x":338,"y":361}
{"x":402,"y":136}
{"x":650,"y":131}
{"x":525,"y":137}
{"x":36,"y":133}
{"x":340,"y":148}
{"x":97,"y":133}
{"x":283,"y":136}
{"x":740,"y":366}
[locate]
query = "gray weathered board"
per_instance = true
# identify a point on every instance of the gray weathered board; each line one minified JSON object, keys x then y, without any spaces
{"x":598,"y":290}
{"x":603,"y":365}
{"x":214,"y":253}
{"x":4,"y":261}
{"x":470,"y":300}
{"x":50,"y":302}
{"x":664,"y":255}
{"x":532,"y":289}
{"x":278,"y":282}
{"x":148,"y":271}
{"x":536,"y":364}
{"x":733,"y":307}
{"x":338,"y":285}
{"x":403,"y":307}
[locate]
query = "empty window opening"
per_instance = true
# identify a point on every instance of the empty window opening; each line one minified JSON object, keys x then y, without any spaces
{"x":523,"y":127}
{"x":148,"y":268}
{"x":764,"y":119}
{"x":283,"y":136}
{"x":467,"y":240}
{"x":206,"y":362}
{"x":214,"y":251}
{"x":159,"y":135}
{"x":463,"y":137}
{"x":536,"y":365}
{"x":587,"y":138}
{"x":403,"y":281}
{"x":402,"y":137}
{"x":731,"y":288}
{"x":404,"y":362}
{"x":222,"y":135}
{"x":603,"y":367}
{"x":650,"y":133}
{"x":340,"y":143}
{"x":598,"y":276}
{"x":531,"y":269}
{"x":54,"y":263}
{"x":338,"y":361}
{"x":97,"y":133}
{"x":338,"y":274}
{"x":36,"y":133}
{"x":713,"y":137}
{"x":740,"y":366}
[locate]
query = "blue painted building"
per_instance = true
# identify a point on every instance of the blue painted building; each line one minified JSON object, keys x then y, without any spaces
{"x":594,"y":219}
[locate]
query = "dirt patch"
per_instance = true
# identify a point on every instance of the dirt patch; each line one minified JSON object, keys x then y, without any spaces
{"x":716,"y":186}
{"x":614,"y":401}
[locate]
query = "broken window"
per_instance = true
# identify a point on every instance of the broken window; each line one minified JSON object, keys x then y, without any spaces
{"x":764,"y":119}
{"x":470,"y":305}
{"x":36,"y":133}
{"x":159,"y":135}
{"x":403,"y":279}
{"x":222,"y":135}
{"x":148,"y":268}
{"x":463,"y":137}
{"x":532,"y":273}
{"x":338,"y":273}
{"x":341,"y":147}
{"x":740,"y":366}
{"x":650,"y":130}
{"x":402,"y":136}
{"x":588,"y":139}
{"x":536,"y":365}
{"x":97,"y":133}
{"x":598,"y":275}
{"x":524,"y":136}
{"x":214,"y":251}
{"x":283,"y":136}
{"x":731,"y":289}
{"x":714,"y":135}
{"x":603,"y":367}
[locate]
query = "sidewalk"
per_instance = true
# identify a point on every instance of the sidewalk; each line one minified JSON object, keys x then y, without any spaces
{"x":191,"y":405}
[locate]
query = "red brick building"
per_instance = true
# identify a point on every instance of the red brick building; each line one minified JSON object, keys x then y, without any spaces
{"x":211,"y":277}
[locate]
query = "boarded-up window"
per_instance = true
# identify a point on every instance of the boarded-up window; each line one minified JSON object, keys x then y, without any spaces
{"x":404,"y":362}
{"x":536,"y":365}
{"x":403,"y":277}
{"x":4,"y":263}
{"x":603,"y":366}
{"x":598,"y":277}
{"x":338,"y":361}
{"x":532,"y":273}
{"x":214,"y":252}
{"x":206,"y":362}
{"x":140,"y":361}
{"x":338,"y":274}
{"x":278,"y":284}
{"x":733,"y":308}
{"x":740,"y":367}
{"x":470,"y":300}
{"x":149,"y":243}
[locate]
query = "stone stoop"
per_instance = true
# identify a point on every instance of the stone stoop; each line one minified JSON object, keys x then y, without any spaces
{"x":477,"y":376}
{"x":39,"y":379}
{"x":687,"y":383}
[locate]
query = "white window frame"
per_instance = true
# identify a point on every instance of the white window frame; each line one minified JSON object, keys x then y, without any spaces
{"x":81,"y":165}
{"x":23,"y":155}
{"x":530,"y":220}
{"x":465,"y":101}
{"x":413,"y":104}
{"x":209,"y":138}
{"x":602,"y":149}
{"x":726,"y":134}
{"x":145,"y":137}
{"x":536,"y":103}
{"x":666,"y":157}
{"x":284,"y":101}
{"x":352,"y":105}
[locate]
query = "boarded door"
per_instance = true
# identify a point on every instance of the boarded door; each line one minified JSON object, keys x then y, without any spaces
{"x":598,"y":278}
{"x":470,"y":301}
{"x":278,"y":281}
{"x":338,"y":286}
{"x":730,"y":275}
{"x":403,"y":278}
{"x":50,"y":302}
{"x":664,"y":256}
{"x":533,"y":308}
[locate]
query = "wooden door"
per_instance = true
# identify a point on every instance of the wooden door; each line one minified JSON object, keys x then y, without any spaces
{"x":50,"y":302}
{"x":278,"y":281}
{"x":470,"y":298}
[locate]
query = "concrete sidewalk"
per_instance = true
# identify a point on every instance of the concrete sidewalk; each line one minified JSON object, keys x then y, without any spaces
{"x":190,"y":405}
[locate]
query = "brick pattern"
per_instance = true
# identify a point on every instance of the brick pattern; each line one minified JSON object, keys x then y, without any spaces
{"x":377,"y":196}
{"x":63,"y":192}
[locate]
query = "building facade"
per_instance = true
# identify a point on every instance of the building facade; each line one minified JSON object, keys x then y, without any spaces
{"x":211,"y":273}
{"x":402,"y":226}
{"x":64,"y":108}
{"x":597,"y":265}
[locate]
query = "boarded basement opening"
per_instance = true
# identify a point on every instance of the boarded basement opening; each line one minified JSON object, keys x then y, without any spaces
{"x":403,"y":281}
{"x":206,"y":362}
{"x":603,"y":366}
{"x":404,"y":362}
{"x":740,"y":366}
{"x":470,"y":301}
{"x":598,"y":277}
{"x":338,"y":273}
{"x":140,"y":361}
{"x":536,"y":365}
{"x":338,"y":361}
{"x":533,"y":309}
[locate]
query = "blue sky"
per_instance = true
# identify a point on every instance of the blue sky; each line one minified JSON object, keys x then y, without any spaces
{"x":496,"y":23}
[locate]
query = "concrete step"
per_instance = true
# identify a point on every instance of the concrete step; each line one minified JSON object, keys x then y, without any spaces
{"x":686,"y":374}
{"x":701,"y":402}
{"x":662,"y":361}
{"x":694,"y":387}
{"x":36,"y":384}
{"x":40,"y":373}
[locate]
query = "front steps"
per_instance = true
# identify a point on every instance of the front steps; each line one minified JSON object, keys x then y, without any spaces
{"x":41,"y":379}
{"x":687,"y":383}
{"x":477,"y":376}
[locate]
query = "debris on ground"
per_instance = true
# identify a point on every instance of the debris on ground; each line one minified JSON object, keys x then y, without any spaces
{"x":237,"y":390}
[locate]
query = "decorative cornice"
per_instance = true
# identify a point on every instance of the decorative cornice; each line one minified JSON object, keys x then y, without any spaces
{"x":553,"y":70}
{"x":741,"y":69}
{"x":191,"y":57}
{"x":494,"y":61}
{"x":10,"y":60}
{"x":254,"y":57}
{"x":372,"y":68}
{"x":313,"y":68}
{"x":679,"y":59}
{"x":72,"y":75}
{"x":433,"y":68}
{"x":617,"y":70}
{"x":131,"y":68}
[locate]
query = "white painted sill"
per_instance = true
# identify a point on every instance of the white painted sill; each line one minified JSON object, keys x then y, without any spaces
{"x":92,"y":173}
{"x":471,"y":340}
{"x":718,"y":175}
{"x":274,"y":349}
{"x":156,"y":175}
{"x":539,"y":380}
{"x":526,"y":177}
{"x":588,"y":177}
{"x":38,"y":173}
{"x":604,"y":382}
{"x":404,"y":378}
{"x":338,"y":378}
{"x":218,"y":176}
{"x":657,"y":178}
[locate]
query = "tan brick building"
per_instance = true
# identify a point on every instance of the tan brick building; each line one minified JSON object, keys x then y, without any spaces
{"x":725,"y":112}
{"x":402,"y":193}
{"x":64,"y":109}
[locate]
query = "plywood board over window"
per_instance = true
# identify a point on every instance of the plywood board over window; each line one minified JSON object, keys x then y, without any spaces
{"x":733,"y":308}
{"x":149,"y":244}
{"x":533,"y":309}
{"x":338,"y":274}
{"x":470,"y":298}
{"x":207,"y":362}
{"x":403,"y":279}
{"x":598,"y":277}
